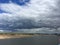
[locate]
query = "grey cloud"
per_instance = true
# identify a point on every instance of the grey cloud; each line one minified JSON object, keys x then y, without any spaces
{"x":49,"y":20}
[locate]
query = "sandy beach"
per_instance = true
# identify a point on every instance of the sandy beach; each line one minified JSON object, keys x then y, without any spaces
{"x":7,"y":36}
{"x":4,"y":36}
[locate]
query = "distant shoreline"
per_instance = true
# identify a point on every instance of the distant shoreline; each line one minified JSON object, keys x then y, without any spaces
{"x":14,"y":36}
{"x":8,"y":36}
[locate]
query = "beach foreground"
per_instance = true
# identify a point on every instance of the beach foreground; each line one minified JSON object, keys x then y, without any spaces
{"x":30,"y":40}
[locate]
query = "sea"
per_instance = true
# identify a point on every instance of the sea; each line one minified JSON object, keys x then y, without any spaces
{"x":34,"y":40}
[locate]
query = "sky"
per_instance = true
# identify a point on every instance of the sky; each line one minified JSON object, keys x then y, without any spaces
{"x":39,"y":15}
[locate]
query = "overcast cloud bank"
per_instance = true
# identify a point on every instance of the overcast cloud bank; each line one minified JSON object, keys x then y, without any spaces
{"x":35,"y":14}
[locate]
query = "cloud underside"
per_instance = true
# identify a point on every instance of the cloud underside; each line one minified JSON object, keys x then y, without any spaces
{"x":39,"y":16}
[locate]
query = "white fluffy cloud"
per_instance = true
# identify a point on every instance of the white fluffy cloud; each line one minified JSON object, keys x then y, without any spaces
{"x":40,"y":13}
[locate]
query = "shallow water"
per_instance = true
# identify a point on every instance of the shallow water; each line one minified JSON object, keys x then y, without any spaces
{"x":35,"y":40}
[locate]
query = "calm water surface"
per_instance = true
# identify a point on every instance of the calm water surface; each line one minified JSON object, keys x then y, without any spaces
{"x":35,"y":40}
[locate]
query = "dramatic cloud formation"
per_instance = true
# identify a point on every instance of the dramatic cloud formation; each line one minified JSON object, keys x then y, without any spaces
{"x":41,"y":14}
